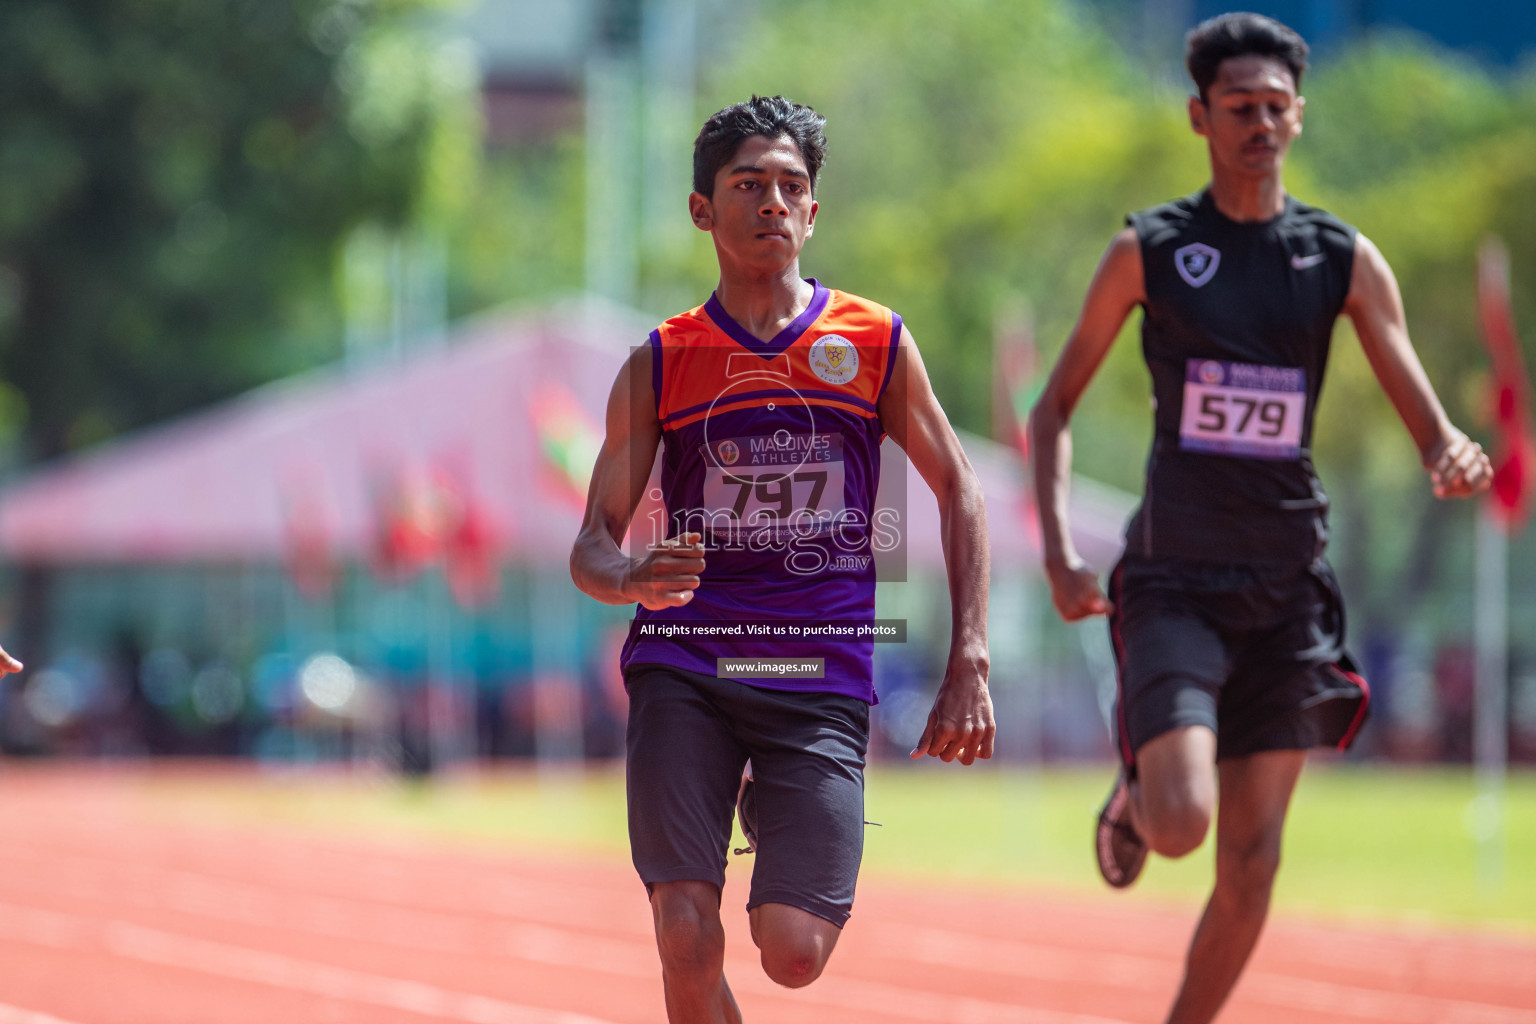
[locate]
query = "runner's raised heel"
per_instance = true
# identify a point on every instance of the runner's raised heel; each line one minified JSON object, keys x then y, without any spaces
{"x":1121,"y":853}
{"x":746,"y":811}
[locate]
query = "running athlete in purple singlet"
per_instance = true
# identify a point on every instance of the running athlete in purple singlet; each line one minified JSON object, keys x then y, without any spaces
{"x":769,"y":403}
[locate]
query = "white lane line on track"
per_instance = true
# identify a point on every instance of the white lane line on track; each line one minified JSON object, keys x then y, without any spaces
{"x":546,"y":946}
{"x":16,"y":1015}
{"x":540,"y":945}
{"x":912,"y":1004}
{"x":565,"y":948}
{"x":1385,"y":962}
{"x":557,"y":948}
{"x":1324,"y":997}
{"x":39,"y":927}
{"x":451,"y":932}
{"x":551,"y":947}
{"x":274,"y":969}
{"x":507,"y":896}
{"x":65,"y":931}
{"x":219,"y":897}
{"x":250,"y":904}
{"x":945,"y":948}
{"x":959,"y":950}
{"x":1406,"y":958}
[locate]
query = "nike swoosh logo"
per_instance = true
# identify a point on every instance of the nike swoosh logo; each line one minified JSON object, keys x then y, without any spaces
{"x":1303,"y":262}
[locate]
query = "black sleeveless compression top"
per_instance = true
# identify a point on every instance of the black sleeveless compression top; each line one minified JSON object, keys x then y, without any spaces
{"x":1238,"y":318}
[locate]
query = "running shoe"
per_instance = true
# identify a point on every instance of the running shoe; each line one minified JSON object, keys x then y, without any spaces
{"x":746,"y":810}
{"x":1121,"y":851}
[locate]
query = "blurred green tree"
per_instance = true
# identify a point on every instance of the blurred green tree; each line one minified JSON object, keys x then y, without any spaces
{"x":1428,"y":154}
{"x":526,"y":239}
{"x":981,"y":154}
{"x":179,"y":178}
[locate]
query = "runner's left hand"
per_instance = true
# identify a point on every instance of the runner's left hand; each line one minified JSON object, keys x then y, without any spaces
{"x":960,"y":724}
{"x":1458,"y":467}
{"x":8,"y":664}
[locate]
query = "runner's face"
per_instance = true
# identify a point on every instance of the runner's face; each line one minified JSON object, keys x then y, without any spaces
{"x":1251,"y":116}
{"x":762,"y":211}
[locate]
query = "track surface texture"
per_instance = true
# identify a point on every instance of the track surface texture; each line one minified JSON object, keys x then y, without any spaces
{"x":112,"y":915}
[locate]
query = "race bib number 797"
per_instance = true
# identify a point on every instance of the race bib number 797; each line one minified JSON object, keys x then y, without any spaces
{"x":774,"y":481}
{"x":1243,"y":409}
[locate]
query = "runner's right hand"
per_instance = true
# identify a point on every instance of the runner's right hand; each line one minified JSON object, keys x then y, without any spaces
{"x":669,"y":573}
{"x":8,"y":664}
{"x":1075,"y":593}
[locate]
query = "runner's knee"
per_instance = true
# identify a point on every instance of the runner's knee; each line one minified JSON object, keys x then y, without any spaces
{"x":1175,"y":824}
{"x":1175,"y":792}
{"x":1248,"y":870}
{"x":1180,"y":834}
{"x":795,"y":944}
{"x":794,"y":962}
{"x":690,"y":947}
{"x":689,"y":935}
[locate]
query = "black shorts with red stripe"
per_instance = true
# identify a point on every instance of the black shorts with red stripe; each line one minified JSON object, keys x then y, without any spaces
{"x":1253,"y":652}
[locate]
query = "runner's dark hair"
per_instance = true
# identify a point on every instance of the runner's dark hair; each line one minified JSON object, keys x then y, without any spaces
{"x":1240,"y":34}
{"x":773,"y":116}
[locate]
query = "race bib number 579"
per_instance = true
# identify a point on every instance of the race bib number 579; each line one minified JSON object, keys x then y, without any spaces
{"x":1243,"y":409}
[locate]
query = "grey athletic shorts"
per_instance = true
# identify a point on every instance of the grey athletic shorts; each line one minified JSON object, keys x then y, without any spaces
{"x":1255,"y":653}
{"x":689,"y":737}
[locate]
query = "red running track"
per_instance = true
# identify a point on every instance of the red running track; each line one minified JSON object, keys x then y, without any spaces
{"x":112,"y":915}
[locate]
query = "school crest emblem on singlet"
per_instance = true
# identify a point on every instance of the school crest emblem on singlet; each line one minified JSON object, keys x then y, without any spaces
{"x":834,"y":359}
{"x":1196,"y":263}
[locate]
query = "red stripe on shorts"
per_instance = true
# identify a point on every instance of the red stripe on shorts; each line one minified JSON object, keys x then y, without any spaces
{"x":1365,"y":702}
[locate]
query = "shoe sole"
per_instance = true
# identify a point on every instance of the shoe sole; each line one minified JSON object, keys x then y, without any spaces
{"x":741,"y":815}
{"x":1104,"y":838}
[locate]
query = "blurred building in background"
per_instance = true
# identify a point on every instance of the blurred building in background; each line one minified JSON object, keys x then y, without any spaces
{"x":1487,"y":30}
{"x":371,"y":564}
{"x":366,"y":561}
{"x":360,"y":562}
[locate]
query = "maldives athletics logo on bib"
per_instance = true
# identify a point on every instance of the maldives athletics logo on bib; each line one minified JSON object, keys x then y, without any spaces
{"x":1196,"y":263}
{"x":834,"y":359}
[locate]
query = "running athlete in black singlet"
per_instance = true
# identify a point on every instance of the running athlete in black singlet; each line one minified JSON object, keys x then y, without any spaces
{"x":1227,"y":625}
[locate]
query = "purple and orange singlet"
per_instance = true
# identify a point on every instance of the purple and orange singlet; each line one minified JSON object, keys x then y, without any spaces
{"x":771,"y":451}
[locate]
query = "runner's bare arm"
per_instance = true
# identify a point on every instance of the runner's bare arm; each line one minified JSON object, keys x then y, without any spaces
{"x":1116,"y":289}
{"x":960,"y":724}
{"x":1456,"y":464}
{"x":667,"y":576}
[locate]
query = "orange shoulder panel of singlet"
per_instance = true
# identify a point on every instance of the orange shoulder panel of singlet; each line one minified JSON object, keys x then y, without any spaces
{"x":684,"y":338}
{"x":688,"y":328}
{"x":868,"y":325}
{"x":700,"y":361}
{"x":847,"y":312}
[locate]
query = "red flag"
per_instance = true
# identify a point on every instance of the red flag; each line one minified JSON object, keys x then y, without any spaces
{"x":1017,"y":382}
{"x":308,"y":526}
{"x":469,"y":543}
{"x":569,"y":441}
{"x":408,"y":506}
{"x":1514,"y":455}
